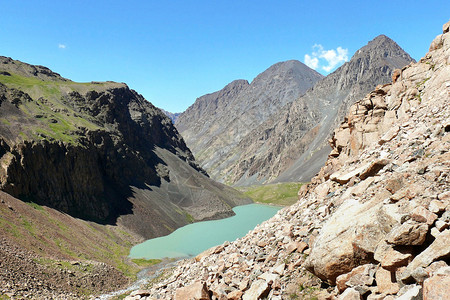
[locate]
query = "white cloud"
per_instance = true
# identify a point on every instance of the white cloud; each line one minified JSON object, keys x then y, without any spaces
{"x":312,"y":62}
{"x":61,"y":46}
{"x":326,"y":60}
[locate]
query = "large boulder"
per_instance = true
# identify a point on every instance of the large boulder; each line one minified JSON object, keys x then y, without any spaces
{"x":349,"y":238}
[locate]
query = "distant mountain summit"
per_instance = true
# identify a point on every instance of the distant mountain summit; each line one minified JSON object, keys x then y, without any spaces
{"x":216,"y":123}
{"x":172,"y":116}
{"x":292,"y":144}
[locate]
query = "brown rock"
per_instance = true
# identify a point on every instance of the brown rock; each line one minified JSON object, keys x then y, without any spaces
{"x":437,"y":287}
{"x":362,"y":275}
{"x":446,"y":27}
{"x":140,"y":293}
{"x":259,"y":289}
{"x":421,"y":214}
{"x":408,"y":233}
{"x":301,"y":247}
{"x":348,"y":239}
{"x":195,"y":291}
{"x":393,"y":185}
{"x":386,"y":282}
{"x":396,"y":74}
{"x":389,"y":135}
{"x":444,"y":196}
{"x":295,"y":246}
{"x":350,"y":294}
{"x":439,"y":248}
{"x":437,"y":206}
{"x":394,"y":259}
{"x":435,"y":266}
{"x":235,"y":295}
{"x":373,"y":168}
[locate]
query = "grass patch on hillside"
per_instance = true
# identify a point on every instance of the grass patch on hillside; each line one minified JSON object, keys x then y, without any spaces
{"x":142,"y":262}
{"x":283,"y":194}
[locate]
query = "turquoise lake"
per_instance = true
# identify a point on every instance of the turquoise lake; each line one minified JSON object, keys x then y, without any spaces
{"x":193,"y":239}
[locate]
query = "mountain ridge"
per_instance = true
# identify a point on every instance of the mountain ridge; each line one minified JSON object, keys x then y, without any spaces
{"x":292,"y":145}
{"x":216,"y":122}
{"x":99,"y":151}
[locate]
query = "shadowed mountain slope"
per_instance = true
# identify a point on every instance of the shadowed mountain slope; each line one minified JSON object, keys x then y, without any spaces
{"x":99,"y":151}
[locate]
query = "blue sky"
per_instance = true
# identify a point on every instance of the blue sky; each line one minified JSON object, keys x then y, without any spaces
{"x":175,"y":51}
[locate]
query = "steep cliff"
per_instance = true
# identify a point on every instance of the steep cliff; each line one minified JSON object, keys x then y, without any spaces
{"x":216,"y":123}
{"x":100,"y":152}
{"x":373,"y":224}
{"x":292,"y":144}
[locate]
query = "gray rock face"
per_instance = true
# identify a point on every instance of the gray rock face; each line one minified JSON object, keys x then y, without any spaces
{"x":292,"y":144}
{"x":216,"y":123}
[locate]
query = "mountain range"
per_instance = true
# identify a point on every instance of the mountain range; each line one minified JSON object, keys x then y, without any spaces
{"x":284,"y":137}
{"x":216,"y":123}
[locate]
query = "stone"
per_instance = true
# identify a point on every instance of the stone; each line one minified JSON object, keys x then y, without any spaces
{"x":348,"y":239}
{"x":269,"y":277}
{"x":396,"y":75}
{"x":436,"y":287}
{"x":410,"y":292}
{"x":446,"y":27}
{"x":373,"y":168}
{"x":439,"y":248}
{"x":436,"y":206}
{"x":359,"y":276}
{"x":419,"y":275}
{"x":409,"y":233}
{"x":437,"y":265}
{"x":350,"y":294}
{"x":400,"y":194}
{"x":421,"y":214}
{"x":259,"y":289}
{"x":386,"y":282}
{"x":344,"y":178}
{"x":235,"y":295}
{"x":141,"y":293}
{"x":394,"y":259}
{"x":389,"y":135}
{"x":280,"y":269}
{"x":195,"y":291}
{"x":444,"y":195}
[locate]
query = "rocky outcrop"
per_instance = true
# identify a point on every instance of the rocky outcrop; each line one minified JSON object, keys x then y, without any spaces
{"x":216,"y":123}
{"x":292,"y":145}
{"x":378,"y":229}
{"x":100,"y":152}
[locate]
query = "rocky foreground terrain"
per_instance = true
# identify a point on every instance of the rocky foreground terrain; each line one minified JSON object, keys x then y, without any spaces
{"x":373,"y":224}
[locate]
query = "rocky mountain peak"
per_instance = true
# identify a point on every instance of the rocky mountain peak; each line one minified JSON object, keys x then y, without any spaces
{"x":383,"y":48}
{"x":217,"y":122}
